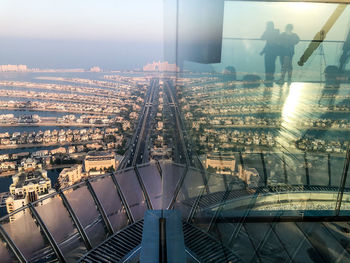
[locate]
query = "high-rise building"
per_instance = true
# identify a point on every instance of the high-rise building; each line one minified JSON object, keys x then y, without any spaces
{"x":15,"y":68}
{"x":161,"y":66}
{"x":29,"y":184}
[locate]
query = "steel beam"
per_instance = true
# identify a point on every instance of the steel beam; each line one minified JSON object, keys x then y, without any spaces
{"x":307,"y":174}
{"x":47,"y":234}
{"x":284,"y":168}
{"x":143,"y":188}
{"x":264,"y":168}
{"x":15,"y":250}
{"x":123,"y":199}
{"x":100,"y":208}
{"x":329,"y":170}
{"x":159,"y":169}
{"x":177,"y":189}
{"x":343,"y":181}
{"x":76,"y":221}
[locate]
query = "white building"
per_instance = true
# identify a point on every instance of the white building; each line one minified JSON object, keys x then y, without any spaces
{"x":29,"y":184}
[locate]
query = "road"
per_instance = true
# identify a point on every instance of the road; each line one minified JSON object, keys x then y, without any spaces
{"x":182,"y":140}
{"x":37,"y":145}
{"x":137,"y":152}
{"x":181,"y":153}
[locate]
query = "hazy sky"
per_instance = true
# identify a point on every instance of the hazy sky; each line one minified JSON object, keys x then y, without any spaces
{"x":117,"y":34}
{"x":82,"y":19}
{"x":249,"y":19}
{"x":113,"y":34}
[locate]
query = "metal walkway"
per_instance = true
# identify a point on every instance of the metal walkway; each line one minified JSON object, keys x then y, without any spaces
{"x":202,"y":246}
{"x":115,"y":248}
{"x":205,"y":247}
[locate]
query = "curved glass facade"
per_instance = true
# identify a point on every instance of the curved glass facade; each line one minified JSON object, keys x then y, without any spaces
{"x":242,"y":126}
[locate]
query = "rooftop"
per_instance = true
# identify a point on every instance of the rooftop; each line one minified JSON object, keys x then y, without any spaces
{"x":32,"y":177}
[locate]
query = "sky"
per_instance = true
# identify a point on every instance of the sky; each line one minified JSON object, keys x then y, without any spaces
{"x":248,"y":20}
{"x":82,"y":19}
{"x":115,"y":34}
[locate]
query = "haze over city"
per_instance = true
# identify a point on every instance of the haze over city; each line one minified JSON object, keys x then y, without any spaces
{"x":174,"y":131}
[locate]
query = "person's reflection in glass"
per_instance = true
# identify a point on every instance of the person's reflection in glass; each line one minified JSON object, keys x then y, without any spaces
{"x":287,"y":41}
{"x":270,"y":51}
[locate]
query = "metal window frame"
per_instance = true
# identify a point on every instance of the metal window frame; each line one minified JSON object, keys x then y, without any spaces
{"x":100,"y":208}
{"x":47,"y":234}
{"x":264,"y":167}
{"x":343,"y":181}
{"x":122,"y":198}
{"x":12,"y":246}
{"x":76,"y":220}
{"x":143,"y":188}
{"x":178,"y":188}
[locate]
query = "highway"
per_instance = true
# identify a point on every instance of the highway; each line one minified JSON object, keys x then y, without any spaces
{"x":181,"y":154}
{"x":137,"y":152}
{"x":139,"y":145}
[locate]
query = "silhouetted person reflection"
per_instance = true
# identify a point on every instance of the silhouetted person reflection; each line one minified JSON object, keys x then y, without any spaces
{"x":288,"y":40}
{"x":270,"y":51}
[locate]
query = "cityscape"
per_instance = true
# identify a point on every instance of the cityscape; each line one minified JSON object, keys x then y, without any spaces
{"x":60,"y":131}
{"x":175,"y":131}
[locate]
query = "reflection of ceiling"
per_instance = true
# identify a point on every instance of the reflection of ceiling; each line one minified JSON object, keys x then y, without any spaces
{"x":221,"y":222}
{"x":225,"y":237}
{"x":199,"y":246}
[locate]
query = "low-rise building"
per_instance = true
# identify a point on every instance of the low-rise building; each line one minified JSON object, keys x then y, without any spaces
{"x":6,"y":166}
{"x":20,"y":155}
{"x":80,"y":148}
{"x":4,"y":157}
{"x":249,"y":175}
{"x":71,"y":149}
{"x":99,"y":161}
{"x":70,"y":176}
{"x":58,"y":150}
{"x":41,"y":153}
{"x":222,"y":162}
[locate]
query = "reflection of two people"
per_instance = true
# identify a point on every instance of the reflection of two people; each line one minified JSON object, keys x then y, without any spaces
{"x":281,"y":45}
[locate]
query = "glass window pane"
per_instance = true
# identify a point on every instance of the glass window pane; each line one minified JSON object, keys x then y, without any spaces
{"x":318,"y":169}
{"x":85,"y":209}
{"x":153,"y":184}
{"x":22,"y":228}
{"x":191,"y":188}
{"x":324,"y":242}
{"x":132,"y":191}
{"x":295,"y":242}
{"x":265,"y":241}
{"x":110,"y":200}
{"x":59,"y":223}
{"x":218,"y":182}
{"x":172,"y":174}
{"x":5,"y":254}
